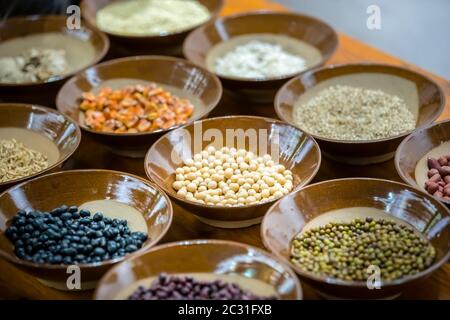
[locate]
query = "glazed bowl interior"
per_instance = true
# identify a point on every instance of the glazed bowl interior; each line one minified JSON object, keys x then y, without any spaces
{"x":297,"y":151}
{"x":200,"y":256}
{"x":37,"y":127}
{"x":187,"y":80}
{"x":423,"y":97}
{"x":289,"y":216}
{"x":76,"y":188}
{"x":204,"y":45}
{"x":90,"y":8}
{"x":411,"y":154}
{"x":84,"y":46}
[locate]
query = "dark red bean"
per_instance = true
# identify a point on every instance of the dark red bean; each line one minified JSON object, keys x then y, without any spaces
{"x":433,"y":164}
{"x":438,"y":194}
{"x":431,"y":187}
{"x":435,"y":178}
{"x":444,"y":171}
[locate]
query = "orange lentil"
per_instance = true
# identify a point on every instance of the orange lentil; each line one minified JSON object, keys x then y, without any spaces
{"x":138,"y":108}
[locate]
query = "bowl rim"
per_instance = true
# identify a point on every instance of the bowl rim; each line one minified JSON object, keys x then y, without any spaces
{"x":106,"y":64}
{"x":264,"y":12}
{"x":399,"y":152}
{"x":196,"y":242}
{"x":213,"y":14}
{"x":246,"y":206}
{"x":369,"y":65}
{"x":61,"y":160}
{"x":15,"y":260}
{"x":358,"y":284}
{"x":51,"y":17}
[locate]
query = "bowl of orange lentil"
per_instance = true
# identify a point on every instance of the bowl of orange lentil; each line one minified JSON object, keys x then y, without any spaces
{"x":128,"y":103}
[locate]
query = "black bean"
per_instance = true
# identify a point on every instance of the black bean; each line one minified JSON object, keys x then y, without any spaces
{"x":99,"y":251}
{"x":85,"y":213}
{"x":111,"y":246}
{"x":97,"y":217}
{"x":131,"y":248}
{"x":66,"y":216}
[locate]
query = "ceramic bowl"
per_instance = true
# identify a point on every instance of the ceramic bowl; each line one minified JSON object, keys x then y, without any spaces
{"x":189,"y":80}
{"x":75,"y":188}
{"x":209,"y":42}
{"x":200,"y":256}
{"x":45,"y":92}
{"x":49,"y":123}
{"x":423,"y":95}
{"x":286,"y":218}
{"x":411,"y":155}
{"x":296,"y":150}
{"x":128,"y":45}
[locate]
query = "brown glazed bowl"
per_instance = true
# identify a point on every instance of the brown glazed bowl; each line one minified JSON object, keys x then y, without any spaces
{"x":184,"y":76}
{"x":75,"y":188}
{"x":45,"y":92}
{"x":415,"y":88}
{"x":294,"y":149}
{"x":286,"y":218}
{"x":317,"y":33}
{"x":128,"y":45}
{"x":59,"y":129}
{"x":415,"y":146}
{"x":201,"y":256}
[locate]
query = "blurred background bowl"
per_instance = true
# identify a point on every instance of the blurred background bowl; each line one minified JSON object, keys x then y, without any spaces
{"x":201,"y":256}
{"x":75,"y":188}
{"x":45,"y":92}
{"x":59,"y":129}
{"x":314,"y":32}
{"x":190,"y":80}
{"x":415,"y":146}
{"x":129,"y":45}
{"x":406,"y":84}
{"x":286,"y":218}
{"x":297,"y":151}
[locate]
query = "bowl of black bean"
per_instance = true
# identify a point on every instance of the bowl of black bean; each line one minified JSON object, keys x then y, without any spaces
{"x":200,"y":270}
{"x":68,"y":228}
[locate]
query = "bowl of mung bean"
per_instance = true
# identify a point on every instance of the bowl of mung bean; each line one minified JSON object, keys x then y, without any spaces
{"x":367,"y":239}
{"x":359,"y":113}
{"x":227,"y":171}
{"x":34,"y":140}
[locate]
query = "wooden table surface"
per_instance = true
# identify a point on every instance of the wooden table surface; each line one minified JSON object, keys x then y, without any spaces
{"x":16,"y":284}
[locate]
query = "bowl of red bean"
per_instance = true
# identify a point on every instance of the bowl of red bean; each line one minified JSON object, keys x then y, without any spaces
{"x":200,"y":270}
{"x":423,"y":160}
{"x":127,"y":109}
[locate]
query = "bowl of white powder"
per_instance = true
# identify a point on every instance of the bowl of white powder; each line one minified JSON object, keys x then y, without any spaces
{"x":255,"y":53}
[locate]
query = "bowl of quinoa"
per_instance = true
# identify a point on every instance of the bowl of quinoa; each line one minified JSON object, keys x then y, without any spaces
{"x":359,"y":113}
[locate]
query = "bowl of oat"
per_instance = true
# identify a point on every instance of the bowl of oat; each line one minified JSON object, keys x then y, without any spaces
{"x":359,"y":113}
{"x":38,"y":53}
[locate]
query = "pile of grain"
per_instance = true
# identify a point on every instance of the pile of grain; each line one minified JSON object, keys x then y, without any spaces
{"x":17,"y":161}
{"x":349,"y":113}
